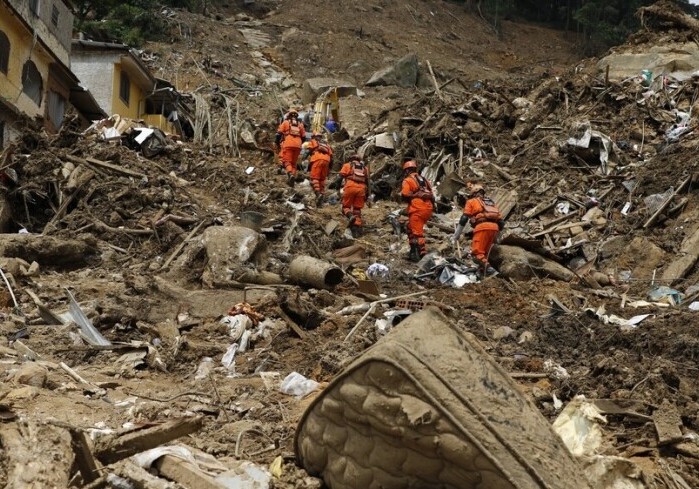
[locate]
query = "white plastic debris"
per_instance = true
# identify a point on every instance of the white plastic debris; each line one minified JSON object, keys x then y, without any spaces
{"x":246,"y":475}
{"x":204,"y":368}
{"x":556,"y":371}
{"x":383,"y":326}
{"x":377,"y":271}
{"x":694,"y":306}
{"x":563,"y":208}
{"x":237,"y":325}
{"x":297,"y":385}
{"x":244,"y":341}
{"x":578,"y":427}
{"x":228,"y":359}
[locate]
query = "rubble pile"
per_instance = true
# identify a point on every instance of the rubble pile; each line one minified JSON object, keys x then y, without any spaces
{"x":184,"y":318}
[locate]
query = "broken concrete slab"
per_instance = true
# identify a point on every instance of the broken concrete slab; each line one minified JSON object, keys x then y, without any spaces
{"x":48,"y":250}
{"x":313,"y":87}
{"x":520,"y":264}
{"x":386,"y":418}
{"x":403,"y":73}
{"x":227,"y":246}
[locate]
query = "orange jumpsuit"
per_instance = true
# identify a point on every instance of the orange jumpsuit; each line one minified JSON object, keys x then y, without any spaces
{"x":293,"y":134}
{"x":420,"y":208}
{"x":356,"y":175}
{"x":321,"y":156}
{"x":484,"y":233}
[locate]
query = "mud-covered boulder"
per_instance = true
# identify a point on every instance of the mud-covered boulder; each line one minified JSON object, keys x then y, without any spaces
{"x":427,"y":407}
{"x":402,"y":73}
{"x":228,"y":246}
{"x":519,"y":264}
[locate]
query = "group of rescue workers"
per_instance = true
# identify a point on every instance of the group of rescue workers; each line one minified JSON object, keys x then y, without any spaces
{"x":480,"y":211}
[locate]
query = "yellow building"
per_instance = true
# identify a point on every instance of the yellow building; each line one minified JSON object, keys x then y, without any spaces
{"x":35,"y":76}
{"x":123,"y":85}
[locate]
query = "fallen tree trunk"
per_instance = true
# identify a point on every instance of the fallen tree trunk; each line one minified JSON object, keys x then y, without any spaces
{"x":47,"y":250}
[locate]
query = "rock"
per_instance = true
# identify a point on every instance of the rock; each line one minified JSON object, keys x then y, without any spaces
{"x":25,"y":393}
{"x":32,"y":374}
{"x":474,"y":127}
{"x":503,"y":332}
{"x":525,"y":337}
{"x":227,"y":246}
{"x":313,"y":87}
{"x":520,"y":264}
{"x":403,"y":73}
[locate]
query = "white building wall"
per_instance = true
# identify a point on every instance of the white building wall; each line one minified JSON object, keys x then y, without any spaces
{"x":95,"y":70}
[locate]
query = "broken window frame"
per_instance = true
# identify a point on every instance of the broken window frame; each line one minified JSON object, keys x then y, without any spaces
{"x":5,"y":47}
{"x":55,"y":108}
{"x":32,"y":82}
{"x":55,"y":15}
{"x":124,"y":88}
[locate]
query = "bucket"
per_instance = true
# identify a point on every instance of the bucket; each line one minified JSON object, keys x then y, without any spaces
{"x":252,"y":220}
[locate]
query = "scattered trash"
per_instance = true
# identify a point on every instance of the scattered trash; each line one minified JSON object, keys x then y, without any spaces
{"x":578,"y":427}
{"x":237,"y":325}
{"x":377,"y":271}
{"x":204,"y":368}
{"x":297,"y":385}
{"x":694,"y":306}
{"x":665,"y":294}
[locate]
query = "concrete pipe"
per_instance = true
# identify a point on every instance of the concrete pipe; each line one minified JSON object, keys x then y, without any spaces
{"x":320,"y":274}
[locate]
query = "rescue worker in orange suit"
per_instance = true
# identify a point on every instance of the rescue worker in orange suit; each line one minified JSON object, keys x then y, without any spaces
{"x":356,"y":175}
{"x":290,"y":137}
{"x":321,"y":157}
{"x":417,"y":192}
{"x":486,"y":219}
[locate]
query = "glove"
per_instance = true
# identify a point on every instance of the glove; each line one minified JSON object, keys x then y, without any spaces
{"x":457,"y":233}
{"x":278,"y":138}
{"x":463,"y":221}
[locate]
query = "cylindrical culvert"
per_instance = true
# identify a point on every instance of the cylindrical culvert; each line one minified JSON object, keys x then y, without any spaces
{"x":320,"y":274}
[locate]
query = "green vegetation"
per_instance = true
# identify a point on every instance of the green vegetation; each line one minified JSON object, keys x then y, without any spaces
{"x":129,"y":21}
{"x":598,"y":24}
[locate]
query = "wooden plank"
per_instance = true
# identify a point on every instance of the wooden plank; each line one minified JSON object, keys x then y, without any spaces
{"x":667,"y":202}
{"x":103,"y":164}
{"x":118,"y":448}
{"x":88,"y":466}
{"x":290,"y":322}
{"x":667,"y":423}
{"x":184,"y":473}
{"x":540,"y":208}
{"x":506,"y":200}
{"x":689,"y":255}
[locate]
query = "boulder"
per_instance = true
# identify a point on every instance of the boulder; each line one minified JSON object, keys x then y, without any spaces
{"x":313,"y":87}
{"x":32,"y":374}
{"x":402,"y":73}
{"x":227,"y":246}
{"x":519,"y":264}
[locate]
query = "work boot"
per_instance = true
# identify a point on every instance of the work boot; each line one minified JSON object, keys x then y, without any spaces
{"x":280,"y":170}
{"x":414,"y":255}
{"x":356,"y":231}
{"x":490,"y":271}
{"x":320,"y":200}
{"x":290,"y":180}
{"x":352,"y":219}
